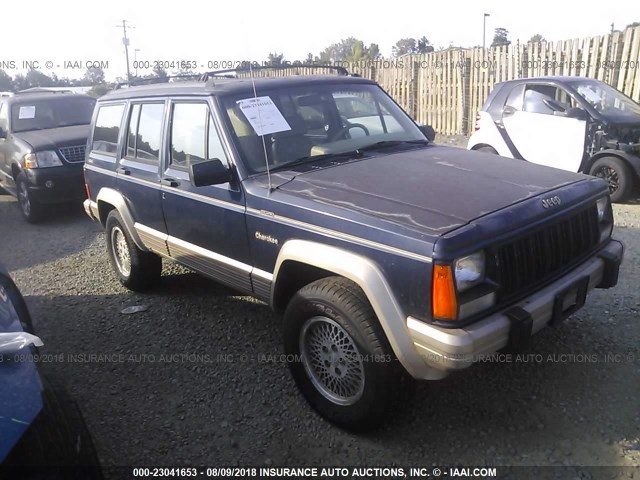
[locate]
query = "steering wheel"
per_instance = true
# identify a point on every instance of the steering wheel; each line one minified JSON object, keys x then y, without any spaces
{"x":348,"y":127}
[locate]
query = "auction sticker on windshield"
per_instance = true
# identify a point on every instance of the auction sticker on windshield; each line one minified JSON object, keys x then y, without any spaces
{"x":263,"y":114}
{"x":27,"y":112}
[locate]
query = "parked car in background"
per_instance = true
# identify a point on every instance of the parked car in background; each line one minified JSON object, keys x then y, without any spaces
{"x":387,"y":255}
{"x":42,"y":143}
{"x":42,"y":432}
{"x":573,"y":123}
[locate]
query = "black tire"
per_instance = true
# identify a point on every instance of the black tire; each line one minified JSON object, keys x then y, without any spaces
{"x":617,"y":174}
{"x":58,"y":444}
{"x":334,"y":314}
{"x":143,"y":269}
{"x":31,"y":211}
{"x":487,"y":150}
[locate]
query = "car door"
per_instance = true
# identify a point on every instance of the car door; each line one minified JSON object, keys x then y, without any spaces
{"x":540,"y":130}
{"x":206,"y":225}
{"x":138,"y":170}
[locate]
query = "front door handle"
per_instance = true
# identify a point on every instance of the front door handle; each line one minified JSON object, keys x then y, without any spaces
{"x":124,"y":171}
{"x":170,"y":182}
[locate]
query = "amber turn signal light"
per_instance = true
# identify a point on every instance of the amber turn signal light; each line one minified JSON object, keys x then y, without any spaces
{"x":443,"y":294}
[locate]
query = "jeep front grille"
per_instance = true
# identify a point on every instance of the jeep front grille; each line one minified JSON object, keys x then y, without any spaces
{"x":73,"y":154}
{"x":541,"y":254}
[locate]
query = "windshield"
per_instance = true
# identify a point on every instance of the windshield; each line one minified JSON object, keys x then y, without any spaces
{"x":313,"y":121}
{"x":608,"y":101}
{"x":47,"y":113}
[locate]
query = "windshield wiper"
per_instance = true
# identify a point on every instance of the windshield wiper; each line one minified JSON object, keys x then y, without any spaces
{"x":392,"y":143}
{"x":302,"y":160}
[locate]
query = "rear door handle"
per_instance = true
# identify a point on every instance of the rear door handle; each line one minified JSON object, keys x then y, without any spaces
{"x":170,"y":182}
{"x":124,"y":171}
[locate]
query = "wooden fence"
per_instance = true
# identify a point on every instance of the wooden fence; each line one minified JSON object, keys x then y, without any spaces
{"x":445,"y":89}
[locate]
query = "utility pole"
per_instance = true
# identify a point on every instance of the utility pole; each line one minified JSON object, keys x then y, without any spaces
{"x":125,"y":42}
{"x":484,"y":30}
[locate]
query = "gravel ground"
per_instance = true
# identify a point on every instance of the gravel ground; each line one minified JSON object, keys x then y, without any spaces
{"x":216,"y":407}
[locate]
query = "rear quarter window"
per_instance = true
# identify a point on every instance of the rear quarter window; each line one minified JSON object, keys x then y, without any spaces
{"x":107,"y":129}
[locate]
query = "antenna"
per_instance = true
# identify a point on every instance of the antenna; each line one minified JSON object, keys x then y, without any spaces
{"x":264,"y":144}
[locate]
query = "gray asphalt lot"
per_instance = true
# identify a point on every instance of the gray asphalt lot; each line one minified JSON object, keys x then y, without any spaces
{"x":197,"y":378}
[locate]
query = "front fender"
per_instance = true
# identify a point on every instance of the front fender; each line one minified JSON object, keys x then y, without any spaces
{"x":371,"y":280}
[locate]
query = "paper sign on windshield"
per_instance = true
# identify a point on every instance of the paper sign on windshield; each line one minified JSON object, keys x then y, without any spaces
{"x":263,"y":115}
{"x":27,"y":112}
{"x":589,"y":94}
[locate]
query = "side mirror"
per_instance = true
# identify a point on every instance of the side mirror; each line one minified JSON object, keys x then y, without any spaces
{"x":211,"y":172}
{"x":428,"y":131}
{"x":577,"y":113}
{"x":508,"y":110}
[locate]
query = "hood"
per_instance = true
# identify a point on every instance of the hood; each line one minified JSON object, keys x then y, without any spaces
{"x":53,"y":138}
{"x":432,"y":189}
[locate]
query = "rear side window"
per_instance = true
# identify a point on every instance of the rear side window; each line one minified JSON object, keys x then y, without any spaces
{"x":145,"y":131}
{"x":3,"y":117}
{"x":107,"y":129}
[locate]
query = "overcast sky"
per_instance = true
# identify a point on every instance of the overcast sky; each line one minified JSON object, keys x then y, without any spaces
{"x":77,"y":31}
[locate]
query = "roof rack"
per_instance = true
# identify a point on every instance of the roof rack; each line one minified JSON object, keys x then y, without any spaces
{"x":152,"y":80}
{"x":244,"y":69}
{"x":42,"y":90}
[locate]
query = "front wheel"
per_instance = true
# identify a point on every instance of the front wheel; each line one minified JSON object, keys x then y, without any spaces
{"x":31,"y":210}
{"x":343,"y":363}
{"x":136,"y":269}
{"x":617,"y":174}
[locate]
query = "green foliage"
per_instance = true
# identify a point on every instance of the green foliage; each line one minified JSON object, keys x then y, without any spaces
{"x":94,"y":76}
{"x":99,"y":90}
{"x":633,"y":25}
{"x":6,"y":82}
{"x":500,"y":37}
{"x":537,"y":38}
{"x":275,"y":59}
{"x":349,"y":50}
{"x":411,"y":46}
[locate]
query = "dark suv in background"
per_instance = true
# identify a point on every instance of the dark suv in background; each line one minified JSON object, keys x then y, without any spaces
{"x":42,"y":142}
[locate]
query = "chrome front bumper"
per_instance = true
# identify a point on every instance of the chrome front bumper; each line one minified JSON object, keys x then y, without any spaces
{"x":453,"y":349}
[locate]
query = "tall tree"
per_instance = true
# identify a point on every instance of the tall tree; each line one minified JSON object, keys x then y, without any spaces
{"x":404,"y":46}
{"x":633,"y":25}
{"x":34,"y":78}
{"x":500,"y":37}
{"x":537,"y":38}
{"x":423,"y":45}
{"x":372,"y":52}
{"x":309,"y":58}
{"x":159,"y":72}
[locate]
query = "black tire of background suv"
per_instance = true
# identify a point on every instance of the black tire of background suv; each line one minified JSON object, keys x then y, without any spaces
{"x":146,"y":267}
{"x":490,"y":150}
{"x":625,"y":176}
{"x":37,"y":210}
{"x":344,"y":302}
{"x":57,"y":445}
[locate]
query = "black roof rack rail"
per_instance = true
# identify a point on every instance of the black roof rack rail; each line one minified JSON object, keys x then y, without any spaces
{"x":243,"y":69}
{"x":152,"y":80}
{"x":42,"y":90}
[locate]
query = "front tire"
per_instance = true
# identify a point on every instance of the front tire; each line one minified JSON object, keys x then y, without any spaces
{"x":136,"y":269}
{"x":344,"y":365}
{"x":31,"y":210}
{"x":487,"y":149}
{"x":618,"y":175}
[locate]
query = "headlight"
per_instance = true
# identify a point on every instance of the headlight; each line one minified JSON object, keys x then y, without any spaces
{"x":603,"y":205}
{"x":44,"y":159}
{"x":469,"y":271}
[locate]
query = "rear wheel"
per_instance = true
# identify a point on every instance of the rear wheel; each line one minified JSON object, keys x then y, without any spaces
{"x":31,"y":210}
{"x":344,"y":365}
{"x":618,"y":175}
{"x":136,"y":269}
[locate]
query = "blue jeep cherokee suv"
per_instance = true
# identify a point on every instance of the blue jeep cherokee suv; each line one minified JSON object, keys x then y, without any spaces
{"x":321,"y":197}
